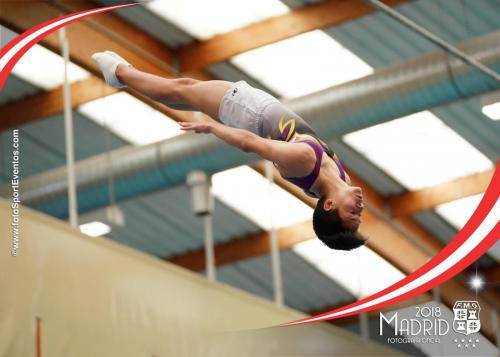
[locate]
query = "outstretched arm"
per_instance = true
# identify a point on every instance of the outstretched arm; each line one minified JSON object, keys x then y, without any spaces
{"x":280,"y":152}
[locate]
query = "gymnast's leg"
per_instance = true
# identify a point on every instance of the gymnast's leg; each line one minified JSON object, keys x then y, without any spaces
{"x":177,"y":93}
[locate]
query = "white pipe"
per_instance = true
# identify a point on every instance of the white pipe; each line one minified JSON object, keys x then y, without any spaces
{"x":209,"y":247}
{"x":333,"y":112}
{"x":68,"y":134}
{"x":275,"y":253}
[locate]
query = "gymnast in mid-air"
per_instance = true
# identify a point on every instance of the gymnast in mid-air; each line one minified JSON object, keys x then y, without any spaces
{"x":254,"y":121}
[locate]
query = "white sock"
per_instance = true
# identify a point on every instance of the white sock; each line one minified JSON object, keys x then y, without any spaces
{"x":107,"y":62}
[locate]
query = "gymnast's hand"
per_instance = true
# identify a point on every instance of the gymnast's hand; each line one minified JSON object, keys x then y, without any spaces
{"x":198,"y":127}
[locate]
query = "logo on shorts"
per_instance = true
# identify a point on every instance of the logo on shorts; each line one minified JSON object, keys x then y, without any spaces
{"x":466,"y":319}
{"x":235,"y":90}
{"x":286,"y":129}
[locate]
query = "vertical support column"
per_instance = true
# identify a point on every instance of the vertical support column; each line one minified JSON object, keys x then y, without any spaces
{"x":38,"y":336}
{"x":436,"y":295}
{"x":275,"y":253}
{"x":3,"y":62}
{"x":494,"y":325}
{"x":202,"y":205}
{"x":209,"y":247}
{"x":364,"y":319}
{"x":364,"y":326}
{"x":68,"y":134}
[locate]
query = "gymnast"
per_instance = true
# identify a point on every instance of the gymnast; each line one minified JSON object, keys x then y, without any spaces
{"x":254,"y":121}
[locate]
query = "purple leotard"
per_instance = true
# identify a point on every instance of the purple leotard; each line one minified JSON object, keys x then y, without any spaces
{"x":306,"y":182}
{"x":277,"y":122}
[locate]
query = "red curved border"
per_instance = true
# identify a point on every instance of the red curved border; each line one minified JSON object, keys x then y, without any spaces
{"x":4,"y":73}
{"x":490,"y":197}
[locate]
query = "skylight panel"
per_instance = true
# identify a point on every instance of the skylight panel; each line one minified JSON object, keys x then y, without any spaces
{"x":302,"y":64}
{"x":95,"y":229}
{"x":45,"y":69}
{"x":418,"y":150}
{"x":130,"y":119}
{"x":458,"y":212}
{"x":491,"y":105}
{"x":248,"y":193}
{"x":492,"y":111}
{"x":358,"y":271}
{"x":205,"y":19}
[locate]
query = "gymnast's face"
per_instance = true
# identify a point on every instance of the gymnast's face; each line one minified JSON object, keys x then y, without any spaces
{"x":350,"y":205}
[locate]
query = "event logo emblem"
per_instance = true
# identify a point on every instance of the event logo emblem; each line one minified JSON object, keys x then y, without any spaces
{"x":466,"y":319}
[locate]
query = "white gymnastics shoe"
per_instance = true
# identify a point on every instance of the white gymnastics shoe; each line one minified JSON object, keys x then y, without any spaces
{"x":107,"y":62}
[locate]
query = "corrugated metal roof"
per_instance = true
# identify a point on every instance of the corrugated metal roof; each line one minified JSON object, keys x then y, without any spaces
{"x":466,"y":118}
{"x":15,"y":88}
{"x":163,"y":224}
{"x":305,"y":288}
{"x":386,"y":186}
{"x":445,"y":232}
{"x":160,"y":223}
{"x":299,"y":3}
{"x":380,"y":41}
{"x":454,"y":21}
{"x":43,"y":146}
{"x":368,"y":38}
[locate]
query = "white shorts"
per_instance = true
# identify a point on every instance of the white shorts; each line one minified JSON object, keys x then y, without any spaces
{"x":242,"y":107}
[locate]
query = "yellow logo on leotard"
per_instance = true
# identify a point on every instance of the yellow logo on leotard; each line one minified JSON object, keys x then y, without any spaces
{"x":282,"y":127}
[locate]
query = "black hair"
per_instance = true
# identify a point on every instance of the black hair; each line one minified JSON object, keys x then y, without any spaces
{"x":329,"y":229}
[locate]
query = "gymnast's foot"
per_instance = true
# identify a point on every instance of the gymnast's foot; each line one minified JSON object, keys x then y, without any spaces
{"x":108,"y":62}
